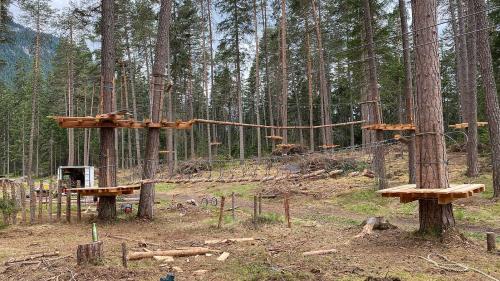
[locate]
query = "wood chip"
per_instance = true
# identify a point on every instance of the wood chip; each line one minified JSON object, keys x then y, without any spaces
{"x":223,"y":256}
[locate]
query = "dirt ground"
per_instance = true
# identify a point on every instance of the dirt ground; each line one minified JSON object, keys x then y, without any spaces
{"x":326,"y":214}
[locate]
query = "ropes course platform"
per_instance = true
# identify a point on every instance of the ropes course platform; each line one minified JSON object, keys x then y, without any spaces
{"x":390,"y":127}
{"x":466,"y":125}
{"x":116,"y":120}
{"x":329,"y":146}
{"x":277,"y":138}
{"x":409,"y":192}
{"x":107,"y":191}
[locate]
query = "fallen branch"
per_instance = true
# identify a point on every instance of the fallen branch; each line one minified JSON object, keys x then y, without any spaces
{"x":194,"y":251}
{"x":223,"y":256}
{"x":32,"y":257}
{"x":221,"y":241}
{"x":319,"y":252}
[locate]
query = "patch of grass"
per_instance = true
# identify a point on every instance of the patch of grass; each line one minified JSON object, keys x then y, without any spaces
{"x":342,"y":221}
{"x":242,"y":190}
{"x":270,"y":218}
{"x":408,"y":208}
{"x":364,"y":201}
{"x":256,"y":271}
{"x":479,"y":236}
{"x":486,"y":214}
{"x":164,"y":187}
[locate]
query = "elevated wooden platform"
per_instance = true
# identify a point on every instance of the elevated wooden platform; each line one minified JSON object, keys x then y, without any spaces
{"x":107,"y":191}
{"x":466,"y":125}
{"x":408,"y":193}
{"x":112,"y":120}
{"x":215,"y":143}
{"x":277,"y":138}
{"x":329,"y":146}
{"x":389,"y":127}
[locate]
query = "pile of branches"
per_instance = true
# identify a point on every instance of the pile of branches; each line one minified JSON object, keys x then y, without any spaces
{"x":329,"y":163}
{"x":193,"y":166}
{"x":292,"y":150}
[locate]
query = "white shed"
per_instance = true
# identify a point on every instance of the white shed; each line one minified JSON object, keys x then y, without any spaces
{"x":85,"y":174}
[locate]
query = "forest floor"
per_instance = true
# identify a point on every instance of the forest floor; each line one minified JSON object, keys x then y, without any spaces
{"x":330,"y":219}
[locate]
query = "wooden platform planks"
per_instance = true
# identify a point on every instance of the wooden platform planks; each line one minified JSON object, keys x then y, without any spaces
{"x":107,"y":191}
{"x":328,"y":146}
{"x":466,"y":125}
{"x":116,"y":121}
{"x":278,"y":138}
{"x":408,"y":192}
{"x":390,"y":127}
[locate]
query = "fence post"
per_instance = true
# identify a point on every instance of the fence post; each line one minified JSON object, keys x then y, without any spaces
{"x":14,"y":201}
{"x":40,"y":202}
{"x":68,"y":203}
{"x":233,"y":206}
{"x":5,"y":197}
{"x":51,"y":189}
{"x":22,"y":194}
{"x":32,"y":201}
{"x":59,"y":199}
{"x":78,"y":204}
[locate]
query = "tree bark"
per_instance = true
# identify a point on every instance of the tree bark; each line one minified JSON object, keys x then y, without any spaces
{"x":153,"y":140}
{"x":205,"y":82}
{"x":375,"y":114}
{"x":432,"y":171}
{"x":257,"y":80}
{"x":284,"y":72}
{"x":106,"y":209}
{"x":325,"y":96}
{"x":490,"y":89}
{"x":134,"y":98}
{"x":408,"y":89}
{"x":71,"y":132}
{"x":309,"y":86}
{"x":238,"y":83}
{"x":472,"y":138}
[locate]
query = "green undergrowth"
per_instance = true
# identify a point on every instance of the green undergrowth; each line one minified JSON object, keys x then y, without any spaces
{"x":485,"y":214}
{"x":478,"y":236}
{"x":241,"y":190}
{"x":164,"y":187}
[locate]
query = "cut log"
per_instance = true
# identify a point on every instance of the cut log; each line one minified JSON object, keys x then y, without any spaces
{"x":221,"y":241}
{"x":335,"y":173}
{"x":163,"y":258}
{"x":223,"y":256}
{"x":194,"y":251}
{"x":377,"y":223}
{"x":90,"y":253}
{"x":32,"y":257}
{"x":319,"y":252}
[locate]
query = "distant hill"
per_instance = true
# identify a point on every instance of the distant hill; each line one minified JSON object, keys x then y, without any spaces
{"x":20,"y":47}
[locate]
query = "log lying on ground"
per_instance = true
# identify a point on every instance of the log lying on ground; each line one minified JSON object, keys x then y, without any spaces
{"x":377,"y":223}
{"x":194,"y":251}
{"x":221,"y":241}
{"x":335,"y":173}
{"x":32,"y":257}
{"x":313,"y":174}
{"x":319,"y":252}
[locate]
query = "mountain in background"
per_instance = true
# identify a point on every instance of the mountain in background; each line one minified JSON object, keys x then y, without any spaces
{"x":20,"y":50}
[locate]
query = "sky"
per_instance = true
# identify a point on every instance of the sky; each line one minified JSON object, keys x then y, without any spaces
{"x":57,"y":4}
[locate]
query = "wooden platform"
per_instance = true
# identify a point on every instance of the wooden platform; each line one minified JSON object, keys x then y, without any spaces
{"x":278,"y":138}
{"x":116,"y":121}
{"x":107,"y":191}
{"x":329,"y":146}
{"x":389,"y":127}
{"x":408,"y":193}
{"x":466,"y":125}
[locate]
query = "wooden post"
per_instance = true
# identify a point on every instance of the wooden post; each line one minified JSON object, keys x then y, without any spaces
{"x":40,"y":202}
{"x":287,"y":210}
{"x":59,"y":200}
{"x":14,"y":201}
{"x":51,"y":189}
{"x":32,"y":201}
{"x":233,"y":206}
{"x":491,"y":242}
{"x":255,"y":209}
{"x":124,"y":255}
{"x":22,"y":194}
{"x":78,"y":204}
{"x":260,"y":204}
{"x":89,"y":253}
{"x":5,"y":196}
{"x":221,"y":213}
{"x":68,"y":204}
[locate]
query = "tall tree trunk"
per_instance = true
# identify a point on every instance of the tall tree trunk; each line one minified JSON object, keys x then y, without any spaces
{"x":472,"y":138}
{"x":205,"y":81}
{"x":458,"y":27}
{"x":190,"y":101}
{"x":284,"y":73}
{"x":490,"y":89}
{"x":309,"y":85}
{"x":432,"y":171}
{"x":266,"y":61}
{"x":210,"y":35}
{"x":153,"y":141}
{"x":106,"y":209}
{"x":238,"y":84}
{"x":325,"y":96}
{"x":134,"y":98}
{"x":71,"y":132}
{"x":375,"y":113}
{"x":34,"y":105}
{"x":257,"y":80}
{"x":408,"y":89}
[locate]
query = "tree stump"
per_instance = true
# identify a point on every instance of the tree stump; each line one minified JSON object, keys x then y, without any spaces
{"x":491,"y":242}
{"x":90,"y":253}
